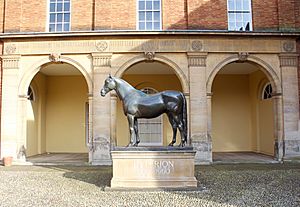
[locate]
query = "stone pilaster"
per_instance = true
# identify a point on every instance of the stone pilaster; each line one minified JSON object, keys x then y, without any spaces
{"x":101,"y":117}
{"x":200,"y":138}
{"x":288,"y":64}
{"x":11,"y":142}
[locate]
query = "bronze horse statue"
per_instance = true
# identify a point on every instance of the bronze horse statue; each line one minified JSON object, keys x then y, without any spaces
{"x":137,"y":104}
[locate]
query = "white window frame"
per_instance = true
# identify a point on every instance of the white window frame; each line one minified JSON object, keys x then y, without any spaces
{"x":145,"y":121}
{"x":242,"y":11}
{"x":138,"y":17}
{"x":48,"y":17}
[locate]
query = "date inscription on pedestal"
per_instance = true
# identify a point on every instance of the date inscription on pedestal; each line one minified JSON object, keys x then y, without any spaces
{"x":154,"y":167}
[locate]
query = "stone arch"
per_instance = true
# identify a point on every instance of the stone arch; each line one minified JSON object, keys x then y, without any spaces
{"x":265,"y":68}
{"x":35,"y":68}
{"x":181,"y":76}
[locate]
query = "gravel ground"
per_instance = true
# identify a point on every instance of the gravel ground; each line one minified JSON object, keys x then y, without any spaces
{"x":219,"y":185}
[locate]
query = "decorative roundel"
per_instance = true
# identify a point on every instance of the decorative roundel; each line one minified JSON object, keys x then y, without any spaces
{"x":288,"y":46}
{"x":101,"y":46}
{"x":197,"y":45}
{"x":10,"y":49}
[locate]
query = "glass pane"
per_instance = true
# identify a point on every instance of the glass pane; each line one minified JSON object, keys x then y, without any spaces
{"x":52,"y":18}
{"x":231,"y":5}
{"x":156,"y":25}
{"x":142,"y":25}
{"x":149,"y":16}
{"x":149,"y":25}
{"x":239,"y":17}
{"x":246,"y":5}
{"x":52,"y":28}
{"x":149,"y":5}
{"x":59,"y":7}
{"x":141,"y":16}
{"x":52,"y":0}
{"x":66,"y":27}
{"x":59,"y":18}
{"x":67,"y":7}
{"x":52,"y":7}
{"x":231,"y":26}
{"x":141,"y":5}
{"x":156,"y":5}
{"x":231,"y":17}
{"x":239,"y":5}
{"x":239,"y":26}
{"x":246,"y":17}
{"x":156,"y":16}
{"x":67,"y":18}
{"x":59,"y":27}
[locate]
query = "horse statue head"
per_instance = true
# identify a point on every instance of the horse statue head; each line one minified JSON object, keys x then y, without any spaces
{"x":109,"y":84}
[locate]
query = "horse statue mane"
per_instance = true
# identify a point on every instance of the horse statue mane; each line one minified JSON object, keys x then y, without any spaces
{"x":137,"y":104}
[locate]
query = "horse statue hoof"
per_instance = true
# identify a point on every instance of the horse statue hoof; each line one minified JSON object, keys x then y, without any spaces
{"x":136,"y":144}
{"x":171,"y":144}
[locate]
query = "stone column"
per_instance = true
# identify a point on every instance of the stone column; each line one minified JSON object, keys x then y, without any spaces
{"x":101,"y":117}
{"x":11,"y":141}
{"x":288,"y":64}
{"x":113,"y":118}
{"x":200,"y":138}
{"x":278,"y":125}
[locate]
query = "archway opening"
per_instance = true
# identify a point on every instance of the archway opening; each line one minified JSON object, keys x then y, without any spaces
{"x":150,"y":77}
{"x":242,"y":113}
{"x":57,"y":115}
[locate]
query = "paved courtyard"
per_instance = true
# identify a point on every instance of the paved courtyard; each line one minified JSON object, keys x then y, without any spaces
{"x":219,"y":185}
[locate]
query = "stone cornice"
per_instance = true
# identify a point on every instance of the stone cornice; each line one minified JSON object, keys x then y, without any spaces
{"x":8,"y":36}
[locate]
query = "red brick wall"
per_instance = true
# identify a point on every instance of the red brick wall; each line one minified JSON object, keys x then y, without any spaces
{"x":1,"y":15}
{"x":264,"y":15}
{"x":297,"y":14}
{"x":13,"y":15}
{"x":207,"y":14}
{"x":30,"y":16}
{"x":174,"y":14}
{"x":34,"y":15}
{"x":286,"y":14}
{"x":115,"y":14}
{"x":81,"y":15}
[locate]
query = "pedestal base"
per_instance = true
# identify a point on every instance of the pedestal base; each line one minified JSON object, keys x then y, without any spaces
{"x":155,"y":167}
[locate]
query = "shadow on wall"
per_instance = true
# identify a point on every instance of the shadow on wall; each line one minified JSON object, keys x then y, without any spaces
{"x":202,"y":15}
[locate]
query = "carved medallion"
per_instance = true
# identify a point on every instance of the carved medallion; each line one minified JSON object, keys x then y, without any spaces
{"x":288,"y":46}
{"x":10,"y":49}
{"x":101,"y":46}
{"x":243,"y":56}
{"x":197,"y":45}
{"x":54,"y":57}
{"x":149,"y":56}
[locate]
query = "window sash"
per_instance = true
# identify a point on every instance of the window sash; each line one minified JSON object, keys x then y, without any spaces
{"x":239,"y":15}
{"x":59,"y":16}
{"x":149,"y":15}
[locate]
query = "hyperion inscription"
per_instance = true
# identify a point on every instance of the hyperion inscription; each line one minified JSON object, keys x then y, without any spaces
{"x":154,"y":167}
{"x":139,"y":167}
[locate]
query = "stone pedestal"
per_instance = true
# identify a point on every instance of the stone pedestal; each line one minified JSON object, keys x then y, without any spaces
{"x":153,"y":167}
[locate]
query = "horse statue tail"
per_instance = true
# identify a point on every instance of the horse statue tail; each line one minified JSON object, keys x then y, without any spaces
{"x":184,"y":118}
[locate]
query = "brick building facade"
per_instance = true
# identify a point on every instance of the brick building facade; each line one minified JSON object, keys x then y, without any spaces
{"x":202,"y":45}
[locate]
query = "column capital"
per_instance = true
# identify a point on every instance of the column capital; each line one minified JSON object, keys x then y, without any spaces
{"x":102,"y":59}
{"x":10,"y":61}
{"x":288,"y":60}
{"x":197,"y":59}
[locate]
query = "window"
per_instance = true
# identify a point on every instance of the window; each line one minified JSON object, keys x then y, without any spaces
{"x":239,"y":15}
{"x":267,"y":91}
{"x":30,"y":94}
{"x":150,"y":130}
{"x":59,"y":16}
{"x":149,"y":15}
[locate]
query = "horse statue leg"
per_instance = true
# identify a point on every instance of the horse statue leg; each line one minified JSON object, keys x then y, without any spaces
{"x":136,"y":130}
{"x":174,"y":127}
{"x":130,"y":119}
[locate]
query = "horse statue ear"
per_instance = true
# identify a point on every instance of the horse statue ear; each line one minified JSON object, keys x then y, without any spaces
{"x":109,"y":76}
